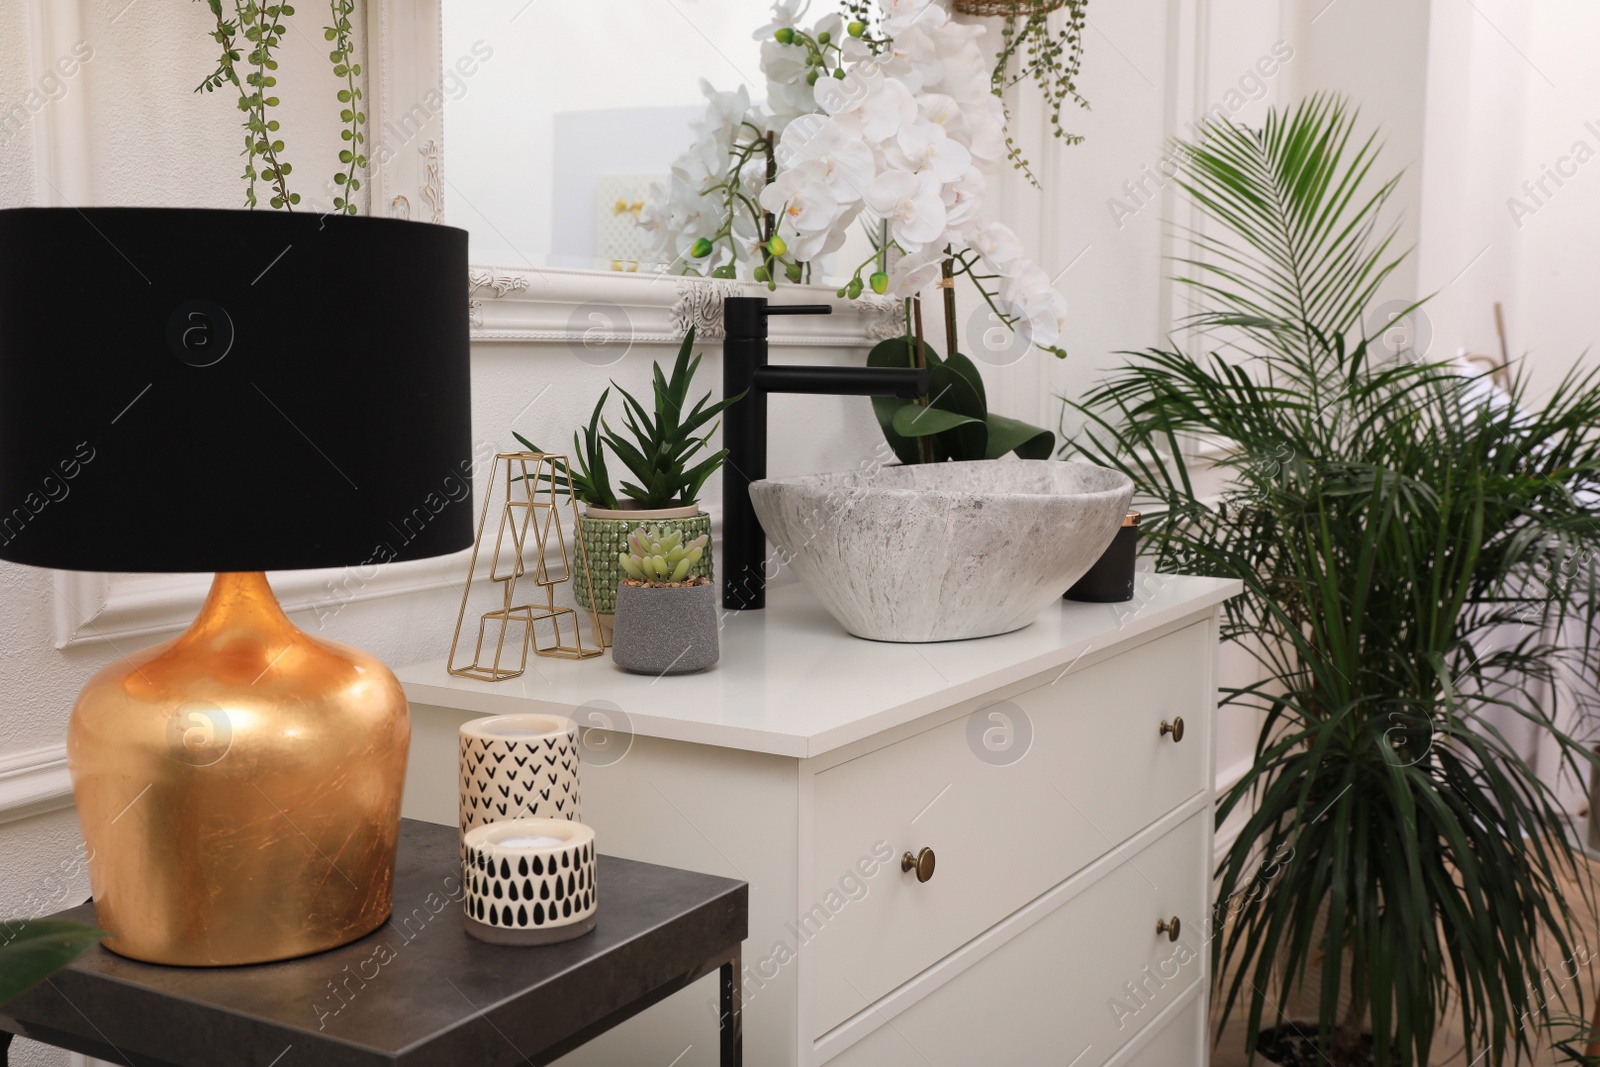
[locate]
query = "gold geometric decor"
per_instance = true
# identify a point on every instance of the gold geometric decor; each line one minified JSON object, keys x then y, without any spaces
{"x":529,"y":515}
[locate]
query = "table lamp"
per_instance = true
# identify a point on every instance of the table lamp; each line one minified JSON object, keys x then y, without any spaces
{"x":235,"y":392}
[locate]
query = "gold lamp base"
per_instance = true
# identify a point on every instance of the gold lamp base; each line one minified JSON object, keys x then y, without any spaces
{"x":238,"y":788}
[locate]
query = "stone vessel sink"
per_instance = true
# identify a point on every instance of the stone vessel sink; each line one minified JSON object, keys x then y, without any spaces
{"x":944,"y":551}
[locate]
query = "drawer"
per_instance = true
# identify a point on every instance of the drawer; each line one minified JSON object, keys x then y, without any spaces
{"x":1075,"y":987}
{"x":1096,"y":771}
{"x":1180,"y":1043}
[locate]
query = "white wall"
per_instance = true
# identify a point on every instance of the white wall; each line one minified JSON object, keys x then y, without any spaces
{"x":1511,"y":173}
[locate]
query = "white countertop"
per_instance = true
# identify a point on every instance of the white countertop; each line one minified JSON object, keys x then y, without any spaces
{"x":792,"y":682}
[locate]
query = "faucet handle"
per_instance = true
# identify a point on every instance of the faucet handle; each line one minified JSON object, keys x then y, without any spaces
{"x":798,"y":309}
{"x":744,"y":318}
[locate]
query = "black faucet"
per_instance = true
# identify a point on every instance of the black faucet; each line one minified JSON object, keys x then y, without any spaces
{"x":744,"y":428}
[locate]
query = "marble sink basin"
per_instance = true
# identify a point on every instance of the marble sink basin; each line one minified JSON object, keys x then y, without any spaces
{"x":945,"y":551}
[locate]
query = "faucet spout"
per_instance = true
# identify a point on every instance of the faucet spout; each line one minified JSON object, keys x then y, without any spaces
{"x":744,"y":429}
{"x":905,"y":382}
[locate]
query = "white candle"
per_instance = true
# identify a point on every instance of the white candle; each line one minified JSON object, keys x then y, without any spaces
{"x":528,"y":841}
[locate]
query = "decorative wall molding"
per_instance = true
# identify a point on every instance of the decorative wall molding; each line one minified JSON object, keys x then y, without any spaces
{"x":699,"y":305}
{"x":599,"y":308}
{"x":405,"y":109}
{"x":498,"y":284}
{"x":95,"y":607}
{"x":433,"y":180}
{"x":34,"y":781}
{"x":885,"y":316}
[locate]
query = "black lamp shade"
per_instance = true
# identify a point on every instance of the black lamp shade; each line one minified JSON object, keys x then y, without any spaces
{"x":197,"y":390}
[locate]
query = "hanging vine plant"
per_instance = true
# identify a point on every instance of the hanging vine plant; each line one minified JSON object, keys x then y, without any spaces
{"x":246,"y":24}
{"x":1031,"y":49}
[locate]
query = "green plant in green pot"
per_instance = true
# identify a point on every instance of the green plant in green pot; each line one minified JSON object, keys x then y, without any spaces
{"x":1395,"y":529}
{"x":664,"y":448}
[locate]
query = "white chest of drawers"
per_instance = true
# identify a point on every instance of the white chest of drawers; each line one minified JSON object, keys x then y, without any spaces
{"x":1064,"y":822}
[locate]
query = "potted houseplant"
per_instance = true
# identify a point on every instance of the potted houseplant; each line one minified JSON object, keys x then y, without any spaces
{"x":660,"y":443}
{"x":666,"y":617}
{"x":1394,"y":528}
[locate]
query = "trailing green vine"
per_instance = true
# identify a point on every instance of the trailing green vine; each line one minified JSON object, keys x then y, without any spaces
{"x":345,"y":66}
{"x":252,"y":75}
{"x":1052,"y":59}
{"x":263,"y":28}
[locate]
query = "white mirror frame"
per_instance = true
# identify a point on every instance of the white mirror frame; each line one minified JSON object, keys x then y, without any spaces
{"x":404,"y":72}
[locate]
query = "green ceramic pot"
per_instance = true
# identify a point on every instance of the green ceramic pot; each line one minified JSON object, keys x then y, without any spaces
{"x":605,"y":535}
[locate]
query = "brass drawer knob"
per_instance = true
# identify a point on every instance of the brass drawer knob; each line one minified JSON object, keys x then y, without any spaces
{"x":1175,"y":728}
{"x":1169,"y":927}
{"x":922,"y":863}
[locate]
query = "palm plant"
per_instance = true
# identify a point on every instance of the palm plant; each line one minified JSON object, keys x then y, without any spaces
{"x":1394,"y":534}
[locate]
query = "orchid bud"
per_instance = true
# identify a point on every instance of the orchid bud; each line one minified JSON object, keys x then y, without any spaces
{"x":777,"y":246}
{"x":879,"y":281}
{"x":784,"y":35}
{"x":700,"y":249}
{"x":856,"y":28}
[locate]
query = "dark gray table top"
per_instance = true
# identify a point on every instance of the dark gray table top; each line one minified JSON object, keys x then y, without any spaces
{"x":417,"y":992}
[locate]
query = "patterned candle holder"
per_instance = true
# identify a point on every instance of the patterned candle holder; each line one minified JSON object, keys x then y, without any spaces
{"x":518,"y":767}
{"x":529,"y":881}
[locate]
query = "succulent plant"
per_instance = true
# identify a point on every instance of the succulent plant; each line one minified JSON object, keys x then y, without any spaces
{"x":660,"y":555}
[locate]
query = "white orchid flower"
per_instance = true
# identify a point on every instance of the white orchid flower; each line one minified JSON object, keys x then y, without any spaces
{"x":910,"y":274}
{"x":901,"y":15}
{"x":999,"y":246}
{"x":784,"y":13}
{"x":805,"y":206}
{"x":1040,"y":311}
{"x":849,"y":161}
{"x":887,"y":107}
{"x":882,"y":104}
{"x":943,"y":111}
{"x":925,"y":146}
{"x":963,"y":198}
{"x":911,"y":204}
{"x":986,"y":125}
{"x":724,"y":110}
{"x":914,"y":61}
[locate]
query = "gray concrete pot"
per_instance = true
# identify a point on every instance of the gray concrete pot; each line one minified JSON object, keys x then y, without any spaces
{"x":665,"y":630}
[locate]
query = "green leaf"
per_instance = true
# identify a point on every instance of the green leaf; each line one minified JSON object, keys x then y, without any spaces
{"x":1014,"y":435}
{"x":915,"y":420}
{"x":951,"y":391}
{"x":33,"y":949}
{"x":892,"y":353}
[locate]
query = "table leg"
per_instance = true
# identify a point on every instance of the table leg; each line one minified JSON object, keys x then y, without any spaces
{"x":732,"y":1027}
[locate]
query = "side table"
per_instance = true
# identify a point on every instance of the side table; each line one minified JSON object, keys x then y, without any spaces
{"x":417,"y":992}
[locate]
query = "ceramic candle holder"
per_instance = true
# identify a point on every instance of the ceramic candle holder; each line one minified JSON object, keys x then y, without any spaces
{"x":518,"y":767}
{"x":529,"y":881}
